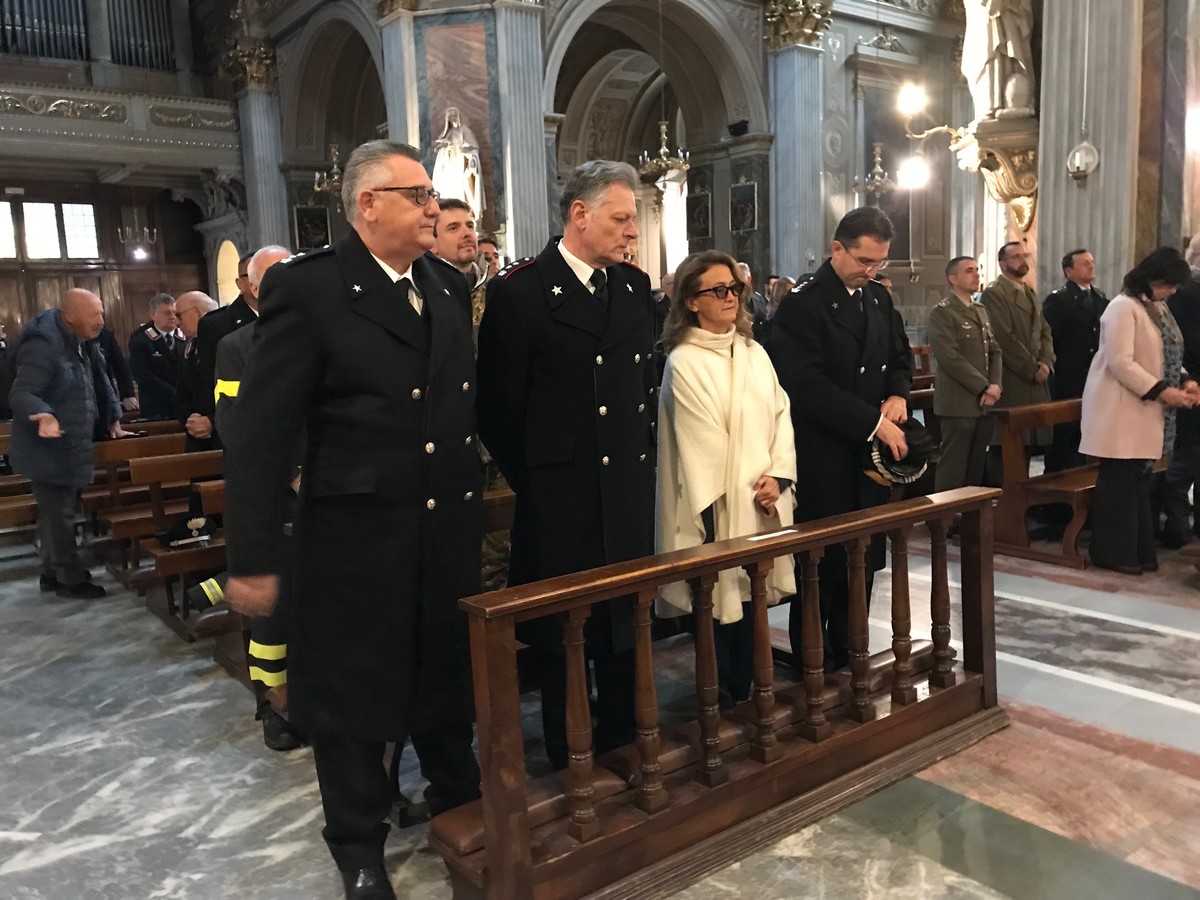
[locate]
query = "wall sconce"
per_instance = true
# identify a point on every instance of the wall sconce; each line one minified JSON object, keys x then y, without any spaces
{"x":1082,"y":162}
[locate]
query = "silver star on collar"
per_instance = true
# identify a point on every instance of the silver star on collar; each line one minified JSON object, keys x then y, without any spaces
{"x":629,"y":287}
{"x":446,"y":291}
{"x":556,"y":290}
{"x":357,"y":289}
{"x":834,"y":305}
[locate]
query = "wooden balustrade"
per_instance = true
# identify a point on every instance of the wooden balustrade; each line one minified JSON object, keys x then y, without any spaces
{"x":677,"y":804}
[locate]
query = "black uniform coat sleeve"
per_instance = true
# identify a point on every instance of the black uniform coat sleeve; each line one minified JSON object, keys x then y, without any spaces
{"x":389,"y":520}
{"x":115,"y":362}
{"x":837,"y":368}
{"x":1185,"y":307}
{"x":156,"y":370}
{"x":209,"y":332}
{"x":566,"y":406}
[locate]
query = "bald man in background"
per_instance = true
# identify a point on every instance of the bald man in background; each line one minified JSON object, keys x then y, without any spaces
{"x":62,"y":400}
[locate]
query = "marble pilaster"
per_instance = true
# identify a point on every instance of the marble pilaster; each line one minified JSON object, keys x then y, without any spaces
{"x":966,"y":190}
{"x":795,"y":79}
{"x":519,"y":75}
{"x":1098,"y":213}
{"x":553,"y":122}
{"x":400,"y":77}
{"x":103,"y":73}
{"x":262,"y":152}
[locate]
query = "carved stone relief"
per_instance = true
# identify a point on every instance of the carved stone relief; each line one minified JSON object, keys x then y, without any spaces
{"x":184,"y":117}
{"x":61,"y":107}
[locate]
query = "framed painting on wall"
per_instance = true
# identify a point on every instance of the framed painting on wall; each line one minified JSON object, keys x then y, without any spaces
{"x":699,"y":216}
{"x":743,"y":207}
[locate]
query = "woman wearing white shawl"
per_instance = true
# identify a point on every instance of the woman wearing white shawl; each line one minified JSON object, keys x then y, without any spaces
{"x":726,"y":452}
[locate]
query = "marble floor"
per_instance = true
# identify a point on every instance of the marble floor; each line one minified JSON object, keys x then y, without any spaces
{"x":131,"y":766}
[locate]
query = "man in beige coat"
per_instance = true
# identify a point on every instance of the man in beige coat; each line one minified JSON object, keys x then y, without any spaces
{"x":1024,"y":336}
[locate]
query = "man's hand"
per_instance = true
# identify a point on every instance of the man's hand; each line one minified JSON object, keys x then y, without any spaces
{"x":253,"y":595}
{"x":1192,"y":389}
{"x":893,"y":437}
{"x":198,"y":426}
{"x":1043,"y":372}
{"x":895,"y":409}
{"x":47,"y":425}
{"x":116,"y":431}
{"x":130,"y":404}
{"x":766,"y":494}
{"x":991,"y":396}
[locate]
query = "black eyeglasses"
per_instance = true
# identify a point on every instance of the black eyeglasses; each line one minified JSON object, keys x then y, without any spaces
{"x":418,"y":194}
{"x":721,"y":291}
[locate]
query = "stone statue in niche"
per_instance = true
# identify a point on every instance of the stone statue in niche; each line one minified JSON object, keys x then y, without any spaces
{"x":997,"y":60}
{"x":456,"y":168}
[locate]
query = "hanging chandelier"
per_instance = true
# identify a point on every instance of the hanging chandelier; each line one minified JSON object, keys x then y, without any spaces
{"x":663,"y":168}
{"x":328,"y":180}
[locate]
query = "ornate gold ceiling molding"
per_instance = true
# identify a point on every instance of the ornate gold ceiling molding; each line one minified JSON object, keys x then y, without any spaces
{"x":1004,"y":152}
{"x":795,"y":22}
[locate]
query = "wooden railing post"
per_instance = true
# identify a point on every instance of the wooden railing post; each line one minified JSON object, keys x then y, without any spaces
{"x":815,"y":726}
{"x":584,"y":825}
{"x":939,"y":606}
{"x":501,"y":756}
{"x":766,"y":747}
{"x":861,"y":709}
{"x":979,"y":599}
{"x":711,"y":771}
{"x":651,"y":795}
{"x":903,"y":691}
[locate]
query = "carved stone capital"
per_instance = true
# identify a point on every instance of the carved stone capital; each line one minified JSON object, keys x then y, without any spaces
{"x":1004,"y":152}
{"x":385,"y":8}
{"x":795,"y":22}
{"x":250,"y":62}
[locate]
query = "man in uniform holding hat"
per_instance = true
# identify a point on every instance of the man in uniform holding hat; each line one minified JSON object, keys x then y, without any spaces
{"x":835,"y":346}
{"x":566,"y":405}
{"x":968,"y":375}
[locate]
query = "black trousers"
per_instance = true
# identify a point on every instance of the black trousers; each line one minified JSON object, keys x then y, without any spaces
{"x":616,"y":724}
{"x":1183,"y":471}
{"x":1122,"y":518}
{"x":835,"y":614}
{"x":356,"y":790}
{"x":735,"y":658}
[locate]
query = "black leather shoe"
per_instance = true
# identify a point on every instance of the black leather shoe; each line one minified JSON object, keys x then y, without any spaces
{"x":85,"y":590}
{"x":278,"y":734}
{"x":1173,"y":539}
{"x":1150,"y":566}
{"x":368,"y":884}
{"x":217,"y":619}
{"x":49,"y":583}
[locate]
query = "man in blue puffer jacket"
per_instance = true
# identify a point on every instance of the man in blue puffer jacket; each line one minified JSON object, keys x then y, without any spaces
{"x":61,"y":400}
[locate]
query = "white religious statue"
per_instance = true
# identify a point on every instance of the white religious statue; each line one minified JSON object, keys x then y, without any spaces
{"x":456,"y":169}
{"x":997,"y":60}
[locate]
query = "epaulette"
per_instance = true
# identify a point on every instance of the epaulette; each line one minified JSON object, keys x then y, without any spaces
{"x":802,"y":286}
{"x":634,"y":266}
{"x":152,"y":333}
{"x":945,"y":302}
{"x":306,"y":255}
{"x":514,"y":265}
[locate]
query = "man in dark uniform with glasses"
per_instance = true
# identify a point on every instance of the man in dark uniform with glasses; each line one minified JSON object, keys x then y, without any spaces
{"x":836,"y":349}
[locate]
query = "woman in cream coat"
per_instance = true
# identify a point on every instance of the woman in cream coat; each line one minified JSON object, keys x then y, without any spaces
{"x":1135,"y":383}
{"x":726,"y":452}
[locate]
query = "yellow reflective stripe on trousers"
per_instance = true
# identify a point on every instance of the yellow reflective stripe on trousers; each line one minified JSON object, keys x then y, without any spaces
{"x":267,"y":651}
{"x":228,"y":388}
{"x":270,"y":679}
{"x":212,"y":590}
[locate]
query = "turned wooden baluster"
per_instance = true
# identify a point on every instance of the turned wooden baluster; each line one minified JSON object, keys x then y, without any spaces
{"x":903,"y":691}
{"x":651,"y":796}
{"x":815,"y":726}
{"x":861,"y":709}
{"x":711,"y":771}
{"x":939,"y":602}
{"x":766,"y":747}
{"x":584,"y":824}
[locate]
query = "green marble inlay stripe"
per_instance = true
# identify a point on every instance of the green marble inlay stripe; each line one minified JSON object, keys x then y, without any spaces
{"x":1000,"y":851}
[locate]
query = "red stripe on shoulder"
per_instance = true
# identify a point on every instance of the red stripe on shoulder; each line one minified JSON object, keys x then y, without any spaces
{"x":516,"y":266}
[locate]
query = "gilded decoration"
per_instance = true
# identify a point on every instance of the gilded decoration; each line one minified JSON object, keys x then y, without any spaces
{"x":251,"y":63}
{"x":793,"y":22}
{"x":1004,"y":152}
{"x":385,"y":8}
{"x":61,"y":107}
{"x":182,"y":117}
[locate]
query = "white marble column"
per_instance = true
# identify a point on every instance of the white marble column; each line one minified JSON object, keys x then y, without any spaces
{"x":966,"y":189}
{"x":400,"y":77}
{"x":519,"y":73}
{"x":1098,"y":213}
{"x":553,"y":122}
{"x":797,"y":198}
{"x":262,"y":153}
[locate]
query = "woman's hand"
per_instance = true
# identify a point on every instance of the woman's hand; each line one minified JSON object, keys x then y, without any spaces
{"x":1177,"y":397}
{"x":766,"y":494}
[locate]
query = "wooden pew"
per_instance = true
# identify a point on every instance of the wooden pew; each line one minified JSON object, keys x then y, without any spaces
{"x":171,"y":564}
{"x":922,"y":369}
{"x":128,"y":513}
{"x":645,"y":818}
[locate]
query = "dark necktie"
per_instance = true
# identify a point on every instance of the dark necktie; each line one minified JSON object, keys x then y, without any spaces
{"x":170,"y":338}
{"x":599,"y":281}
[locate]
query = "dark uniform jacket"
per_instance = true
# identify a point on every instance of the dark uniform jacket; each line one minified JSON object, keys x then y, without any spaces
{"x":155,"y":367}
{"x":838,"y":362}
{"x":1074,"y":319}
{"x":209,"y":332}
{"x":389,"y":520}
{"x":1185,"y":307}
{"x":566,"y":406}
{"x":187,"y":397}
{"x":115,"y":364}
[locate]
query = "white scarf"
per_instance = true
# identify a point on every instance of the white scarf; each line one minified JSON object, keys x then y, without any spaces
{"x":723,"y":422}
